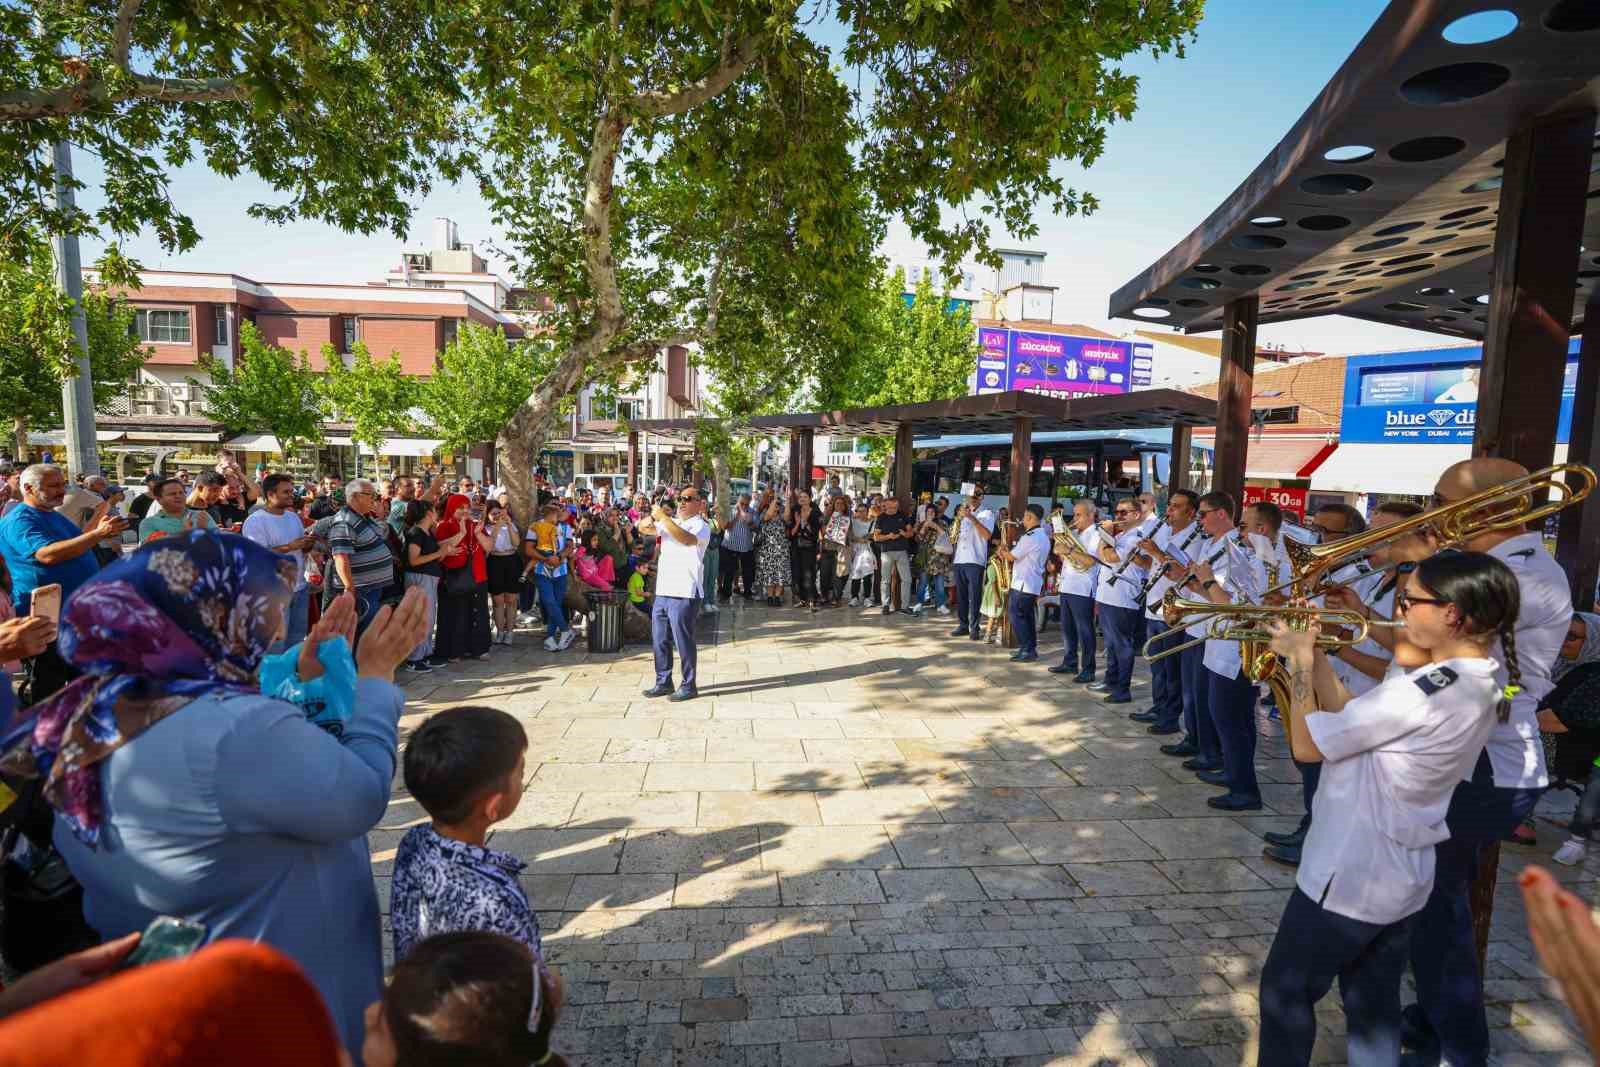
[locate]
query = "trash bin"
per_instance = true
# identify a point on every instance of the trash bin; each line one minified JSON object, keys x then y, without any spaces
{"x":605,"y":620}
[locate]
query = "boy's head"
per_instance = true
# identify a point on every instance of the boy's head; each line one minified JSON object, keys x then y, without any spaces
{"x":466,"y":764}
{"x":642,"y":567}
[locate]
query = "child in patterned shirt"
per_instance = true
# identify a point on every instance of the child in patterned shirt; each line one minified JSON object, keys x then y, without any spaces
{"x":465,"y":766}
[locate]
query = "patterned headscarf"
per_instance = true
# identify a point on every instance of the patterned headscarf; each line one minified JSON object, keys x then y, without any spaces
{"x":178,"y":619}
{"x":1588,"y":653}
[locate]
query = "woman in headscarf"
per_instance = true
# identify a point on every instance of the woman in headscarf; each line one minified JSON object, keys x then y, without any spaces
{"x":463,"y":631}
{"x":181,"y":790}
{"x":1571,"y":714}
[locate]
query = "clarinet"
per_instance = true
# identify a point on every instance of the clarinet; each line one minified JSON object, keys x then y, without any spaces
{"x":1127,"y":562}
{"x":1144,"y":593}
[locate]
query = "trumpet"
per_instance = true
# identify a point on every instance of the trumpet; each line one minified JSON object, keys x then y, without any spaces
{"x":1246,"y":623}
{"x":1498,"y":508}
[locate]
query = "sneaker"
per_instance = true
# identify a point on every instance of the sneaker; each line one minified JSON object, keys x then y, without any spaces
{"x":942,"y":610}
{"x":710,"y":608}
{"x":437,"y":661}
{"x":855,"y":602}
{"x":417,"y":666}
{"x":1572,"y":852}
{"x":549,"y":644}
{"x":565,"y":641}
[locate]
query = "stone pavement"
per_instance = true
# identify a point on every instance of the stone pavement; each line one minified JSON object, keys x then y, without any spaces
{"x":869,"y":843}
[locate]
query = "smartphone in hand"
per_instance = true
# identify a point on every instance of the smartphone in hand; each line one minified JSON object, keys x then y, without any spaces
{"x":166,"y":938}
{"x":46,"y":602}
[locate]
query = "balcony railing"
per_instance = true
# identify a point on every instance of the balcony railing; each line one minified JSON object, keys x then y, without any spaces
{"x":157,"y":400}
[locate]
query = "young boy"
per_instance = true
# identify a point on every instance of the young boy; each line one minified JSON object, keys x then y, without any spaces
{"x":465,"y":766}
{"x":637,"y":596}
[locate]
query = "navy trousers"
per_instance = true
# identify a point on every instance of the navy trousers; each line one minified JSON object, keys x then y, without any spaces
{"x":1197,"y":726}
{"x":1024,"y":623}
{"x":1310,"y":775}
{"x":672,"y":623}
{"x":1119,"y":625}
{"x":969,"y":584}
{"x":1233,"y":710}
{"x":1077,"y":632}
{"x":1166,"y":676}
{"x":1313,"y":947}
{"x":1444,"y":954}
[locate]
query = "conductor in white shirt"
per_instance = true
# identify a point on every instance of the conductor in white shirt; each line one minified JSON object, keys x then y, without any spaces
{"x":1027,"y":558}
{"x":974,"y":525}
{"x":680,"y":574}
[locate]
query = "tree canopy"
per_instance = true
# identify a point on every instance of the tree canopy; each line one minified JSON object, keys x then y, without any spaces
{"x":268,"y":389}
{"x":37,"y":349}
{"x":375,"y":395}
{"x":480,"y":379}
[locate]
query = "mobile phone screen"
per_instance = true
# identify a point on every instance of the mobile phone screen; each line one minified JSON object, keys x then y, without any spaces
{"x":166,"y":938}
{"x":47,"y":602}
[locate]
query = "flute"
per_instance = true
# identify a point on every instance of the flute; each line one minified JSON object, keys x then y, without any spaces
{"x":1157,"y":571}
{"x":1125,"y":564}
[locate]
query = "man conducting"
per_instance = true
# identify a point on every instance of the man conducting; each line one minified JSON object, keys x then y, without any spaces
{"x":680,"y":576}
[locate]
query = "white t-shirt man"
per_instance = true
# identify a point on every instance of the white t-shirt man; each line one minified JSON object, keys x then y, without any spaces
{"x":265,"y":528}
{"x":680,"y":570}
{"x":1081,"y":583}
{"x":1027,"y":572}
{"x":1182,"y":546}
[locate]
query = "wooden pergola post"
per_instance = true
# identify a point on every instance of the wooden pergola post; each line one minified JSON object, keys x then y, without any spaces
{"x":1536,"y":245}
{"x":904,"y":435}
{"x":1178,"y":463}
{"x":1234,"y":390}
{"x":1021,"y":472}
{"x":633,"y":460}
{"x":1580,"y":525}
{"x":807,"y":441}
{"x":794,"y":460}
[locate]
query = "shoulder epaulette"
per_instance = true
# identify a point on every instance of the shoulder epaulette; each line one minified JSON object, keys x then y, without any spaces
{"x":1435,"y":680}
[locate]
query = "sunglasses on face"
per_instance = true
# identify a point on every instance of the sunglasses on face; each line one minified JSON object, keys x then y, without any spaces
{"x":1203,"y":512}
{"x":1405,"y":601}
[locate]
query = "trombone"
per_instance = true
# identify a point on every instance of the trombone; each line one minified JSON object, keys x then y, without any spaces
{"x":1246,"y":623}
{"x":1502,"y":507}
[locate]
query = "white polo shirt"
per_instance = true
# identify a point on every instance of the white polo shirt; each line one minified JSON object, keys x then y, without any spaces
{"x":1081,"y":583}
{"x":1180,"y":546}
{"x":1366,"y":587}
{"x":1027,"y":570}
{"x":680,"y":570}
{"x":1391,"y":760}
{"x":1241,"y":576}
{"x":1515,"y":750}
{"x":1124,"y":592}
{"x":970,"y":547}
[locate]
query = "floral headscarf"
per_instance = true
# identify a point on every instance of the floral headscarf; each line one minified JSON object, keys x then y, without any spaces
{"x":178,"y":619}
{"x":1589,"y":652}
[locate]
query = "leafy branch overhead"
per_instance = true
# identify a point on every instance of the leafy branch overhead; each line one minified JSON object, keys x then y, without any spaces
{"x":374,"y":395}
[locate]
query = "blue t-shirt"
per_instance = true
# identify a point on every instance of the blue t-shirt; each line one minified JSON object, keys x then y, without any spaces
{"x":24,"y":531}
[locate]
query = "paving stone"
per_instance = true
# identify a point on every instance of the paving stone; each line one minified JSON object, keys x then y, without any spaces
{"x":576,"y":777}
{"x":635,"y":891}
{"x":670,"y":777}
{"x":715,"y":1009}
{"x":802,"y":848}
{"x":808,"y":776}
{"x":1081,"y":842}
{"x":636,"y":809}
{"x":750,"y":808}
{"x":653,"y":750}
{"x":931,"y":886}
{"x":851,"y":750}
{"x":613,"y":728}
{"x":744,"y":886}
{"x":689,"y":849}
{"x":883,"y":804}
{"x":831,"y":887}
{"x":724,"y":729}
{"x":1126,"y":879}
{"x":536,"y":809}
{"x":996,"y":804}
{"x":586,"y":851}
{"x":1015,"y":773}
{"x":1026,"y":883}
{"x":1099,"y":802}
{"x":975,"y":844}
{"x":1186,"y":839}
{"x":1211,"y":875}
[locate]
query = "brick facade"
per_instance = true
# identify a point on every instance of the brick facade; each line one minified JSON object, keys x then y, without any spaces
{"x":417,"y":341}
{"x":1315,"y":385}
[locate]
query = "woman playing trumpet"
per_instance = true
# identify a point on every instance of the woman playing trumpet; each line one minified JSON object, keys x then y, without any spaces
{"x":1391,"y":760}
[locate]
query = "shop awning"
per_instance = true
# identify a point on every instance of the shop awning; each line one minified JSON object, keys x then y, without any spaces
{"x":410,"y":446}
{"x":59,"y":437}
{"x":1282,"y":458}
{"x":174,"y":436}
{"x":255,"y":442}
{"x":1371,"y":468}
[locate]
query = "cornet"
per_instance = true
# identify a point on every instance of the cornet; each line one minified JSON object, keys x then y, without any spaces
{"x":1246,"y":623}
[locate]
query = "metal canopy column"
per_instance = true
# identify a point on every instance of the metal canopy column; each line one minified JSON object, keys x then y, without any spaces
{"x":1580,"y":525}
{"x":1530,"y":306}
{"x":1234,"y":390}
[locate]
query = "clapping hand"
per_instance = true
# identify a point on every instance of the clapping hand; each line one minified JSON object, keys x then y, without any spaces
{"x":338,"y":621}
{"x":392,"y":635}
{"x":1568,"y":942}
{"x":66,"y":974}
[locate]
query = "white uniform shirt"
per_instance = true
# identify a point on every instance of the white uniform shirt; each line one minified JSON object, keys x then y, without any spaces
{"x":1392,"y":758}
{"x":971,"y":547}
{"x":1027,"y":571}
{"x":1515,"y":750}
{"x":1241,"y":576}
{"x":1181,"y":546}
{"x":1355,"y":681}
{"x":680,"y":570}
{"x":1124,"y":592}
{"x":1274,"y":560}
{"x":1082,"y":583}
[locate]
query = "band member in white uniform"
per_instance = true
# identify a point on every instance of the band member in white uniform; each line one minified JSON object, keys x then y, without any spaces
{"x":1077,"y":597}
{"x":1118,"y":597}
{"x":974,"y":526}
{"x":1177,"y":680}
{"x":1027,"y":558}
{"x":1229,"y":574}
{"x":1263,"y":521}
{"x":1391,"y":761}
{"x":1448,"y":1019}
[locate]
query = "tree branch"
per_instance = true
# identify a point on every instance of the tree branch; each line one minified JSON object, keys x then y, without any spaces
{"x":26,"y":104}
{"x":122,"y":36}
{"x":734,"y":63}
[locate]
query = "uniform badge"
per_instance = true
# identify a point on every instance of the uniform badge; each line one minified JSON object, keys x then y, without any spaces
{"x":1435,"y":680}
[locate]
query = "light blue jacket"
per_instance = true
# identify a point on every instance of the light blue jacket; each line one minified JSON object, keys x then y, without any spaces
{"x":239,"y":813}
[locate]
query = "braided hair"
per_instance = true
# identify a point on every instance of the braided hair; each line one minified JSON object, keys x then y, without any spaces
{"x":1486,"y":593}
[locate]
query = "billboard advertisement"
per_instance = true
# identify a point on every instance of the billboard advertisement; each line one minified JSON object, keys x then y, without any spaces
{"x":1052,"y":364}
{"x":1427,"y":397}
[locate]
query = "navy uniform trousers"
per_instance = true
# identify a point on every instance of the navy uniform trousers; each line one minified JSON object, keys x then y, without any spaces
{"x":672,"y":622}
{"x":1119,"y":626}
{"x":969,"y":599}
{"x":1197,"y":728}
{"x":1077,"y":632}
{"x":1313,"y":947}
{"x":1166,"y":676}
{"x":1232,"y":702}
{"x":1444,"y":953}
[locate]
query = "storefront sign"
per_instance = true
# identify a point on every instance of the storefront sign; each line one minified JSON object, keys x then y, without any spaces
{"x":1291,"y":501}
{"x":1052,"y":364}
{"x":1428,"y":397}
{"x":1144,"y":365}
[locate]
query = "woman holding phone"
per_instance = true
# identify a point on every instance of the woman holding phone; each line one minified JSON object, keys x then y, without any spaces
{"x":505,"y":569}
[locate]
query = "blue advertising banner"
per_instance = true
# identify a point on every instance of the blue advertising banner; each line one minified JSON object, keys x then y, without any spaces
{"x":1426,"y":397}
{"x":1144,"y":365}
{"x":1052,"y":364}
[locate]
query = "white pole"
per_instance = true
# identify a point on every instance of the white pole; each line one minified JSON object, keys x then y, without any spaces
{"x":77,"y":392}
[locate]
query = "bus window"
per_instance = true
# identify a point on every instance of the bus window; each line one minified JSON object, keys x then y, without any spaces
{"x":922,"y":476}
{"x":1042,"y":482}
{"x":950,"y":473}
{"x":1072,"y":478}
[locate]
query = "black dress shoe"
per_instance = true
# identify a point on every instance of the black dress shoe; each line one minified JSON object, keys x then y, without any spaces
{"x":960,"y":631}
{"x":1234,"y":802}
{"x":1144,"y":716}
{"x":1061,"y":668}
{"x":1161,"y":731}
{"x":1112,"y":698}
{"x":1213,"y":777}
{"x":684,"y":694}
{"x":1198,"y":764}
{"x":1015,"y":656}
{"x":1029,"y":658}
{"x":1293,"y":839}
{"x":1083,"y":676}
{"x":658,"y":691}
{"x":1283,"y":855}
{"x":1417,"y":1033}
{"x":1182,"y":748}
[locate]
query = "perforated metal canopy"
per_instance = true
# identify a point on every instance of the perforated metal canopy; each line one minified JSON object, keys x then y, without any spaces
{"x":1380,"y":202}
{"x":991,"y":413}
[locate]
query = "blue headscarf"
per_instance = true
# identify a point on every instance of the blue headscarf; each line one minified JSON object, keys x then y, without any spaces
{"x":178,"y":619}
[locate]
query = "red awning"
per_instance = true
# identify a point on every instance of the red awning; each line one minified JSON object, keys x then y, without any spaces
{"x":1283,"y":458}
{"x":818,"y":474}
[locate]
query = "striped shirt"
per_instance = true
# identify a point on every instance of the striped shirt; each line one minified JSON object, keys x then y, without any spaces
{"x":362,"y":539}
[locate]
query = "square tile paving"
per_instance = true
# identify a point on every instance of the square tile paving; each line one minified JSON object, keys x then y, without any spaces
{"x":869,"y":843}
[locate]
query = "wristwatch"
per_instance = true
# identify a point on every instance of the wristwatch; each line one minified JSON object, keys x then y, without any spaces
{"x":1208,"y":583}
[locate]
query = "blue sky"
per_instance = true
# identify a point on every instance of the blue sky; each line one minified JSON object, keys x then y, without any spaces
{"x":1203,"y":123}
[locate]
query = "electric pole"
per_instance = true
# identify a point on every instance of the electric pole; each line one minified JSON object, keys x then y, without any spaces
{"x":77,"y":392}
